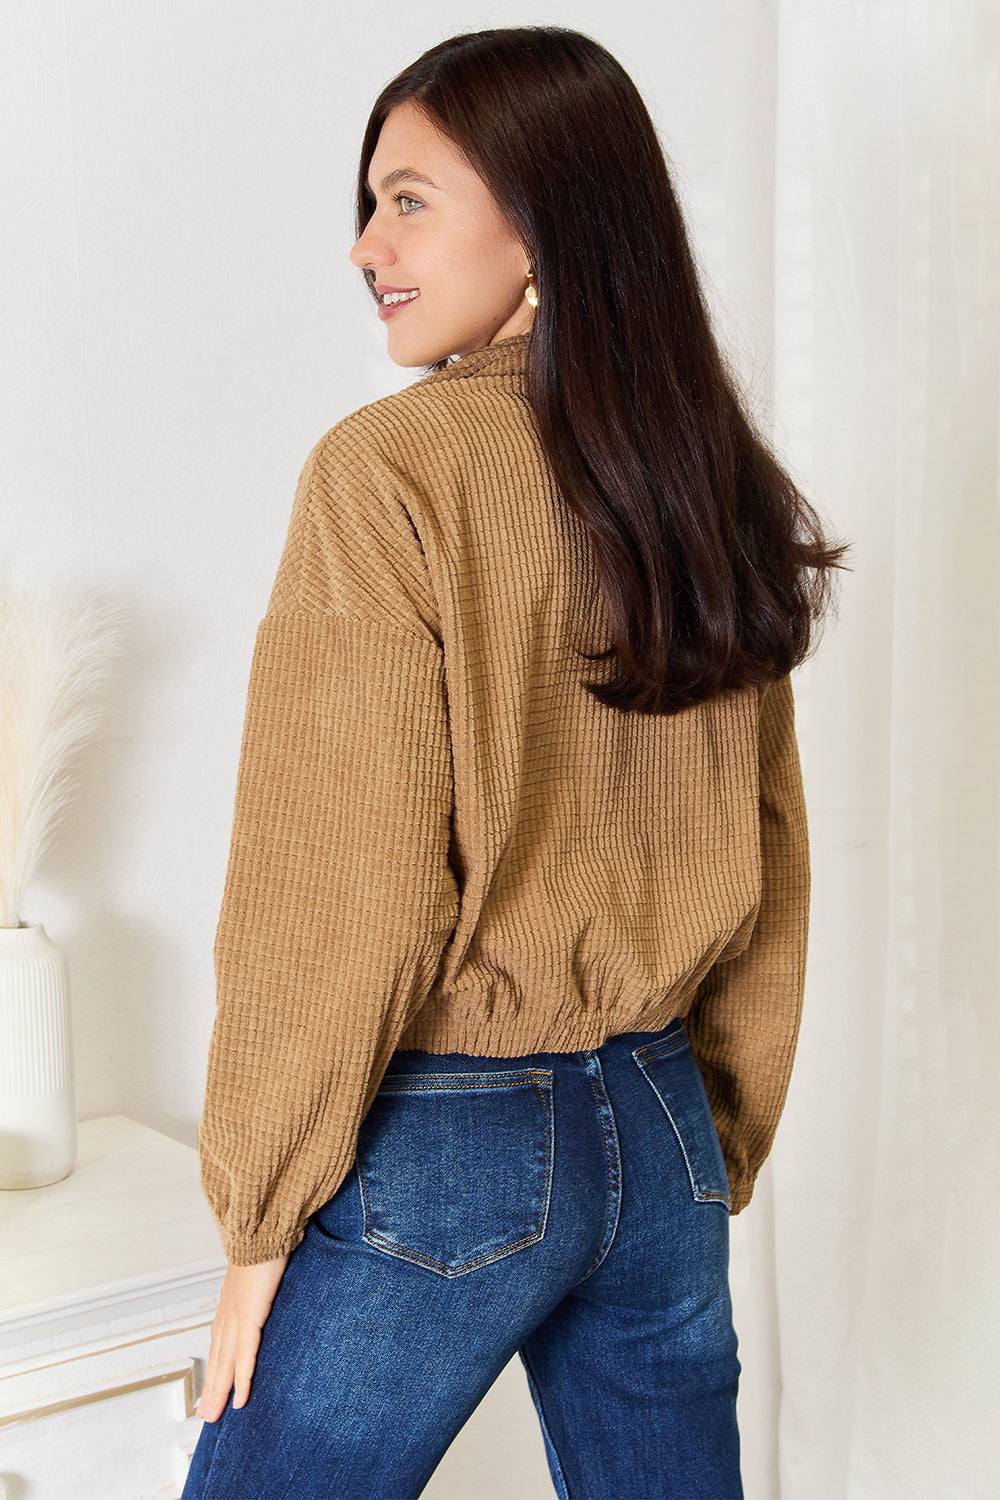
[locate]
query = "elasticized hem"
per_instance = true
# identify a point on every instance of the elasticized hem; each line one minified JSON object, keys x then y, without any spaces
{"x":254,"y":1250}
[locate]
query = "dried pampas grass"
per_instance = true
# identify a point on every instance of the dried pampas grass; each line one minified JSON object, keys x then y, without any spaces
{"x":56,"y":656}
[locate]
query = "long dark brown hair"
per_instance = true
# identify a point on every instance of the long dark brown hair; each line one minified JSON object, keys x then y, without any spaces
{"x":714,"y":567}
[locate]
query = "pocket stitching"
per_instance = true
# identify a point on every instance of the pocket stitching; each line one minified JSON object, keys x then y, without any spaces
{"x":703,"y":1195}
{"x":541,"y":1080}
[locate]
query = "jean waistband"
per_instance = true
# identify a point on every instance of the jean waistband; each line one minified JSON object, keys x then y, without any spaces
{"x":412,"y":1061}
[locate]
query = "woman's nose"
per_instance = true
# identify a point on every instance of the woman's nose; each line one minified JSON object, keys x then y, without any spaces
{"x":372,"y":249}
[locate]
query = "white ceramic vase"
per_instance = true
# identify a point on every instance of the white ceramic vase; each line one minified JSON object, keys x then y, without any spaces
{"x":37,"y":1095}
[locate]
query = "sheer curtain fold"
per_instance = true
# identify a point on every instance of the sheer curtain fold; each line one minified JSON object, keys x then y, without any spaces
{"x":886,"y":1189}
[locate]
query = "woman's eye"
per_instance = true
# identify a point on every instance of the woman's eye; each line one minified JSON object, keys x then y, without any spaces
{"x":402,"y":199}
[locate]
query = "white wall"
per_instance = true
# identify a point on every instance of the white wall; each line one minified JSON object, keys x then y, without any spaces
{"x":180,"y":324}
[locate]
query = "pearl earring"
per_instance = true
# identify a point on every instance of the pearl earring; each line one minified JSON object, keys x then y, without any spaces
{"x":531,"y":291}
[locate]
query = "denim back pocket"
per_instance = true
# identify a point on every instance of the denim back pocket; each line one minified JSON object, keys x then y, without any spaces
{"x":672,"y":1071}
{"x":455,"y":1169}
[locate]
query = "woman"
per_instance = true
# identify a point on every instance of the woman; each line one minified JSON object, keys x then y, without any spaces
{"x":511,"y":953}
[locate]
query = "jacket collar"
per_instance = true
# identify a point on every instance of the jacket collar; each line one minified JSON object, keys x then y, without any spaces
{"x":507,"y":357}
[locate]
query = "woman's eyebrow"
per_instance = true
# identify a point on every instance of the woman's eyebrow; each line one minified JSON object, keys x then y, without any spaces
{"x":401,"y":174}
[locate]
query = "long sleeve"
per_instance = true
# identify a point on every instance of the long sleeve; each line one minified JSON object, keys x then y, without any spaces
{"x":339,"y":898}
{"x":744,"y":1021}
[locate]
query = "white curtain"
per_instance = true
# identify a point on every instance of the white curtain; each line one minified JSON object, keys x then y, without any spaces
{"x":883,"y":1191}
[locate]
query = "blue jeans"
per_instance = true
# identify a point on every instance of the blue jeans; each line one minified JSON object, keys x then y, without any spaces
{"x":569,"y":1207}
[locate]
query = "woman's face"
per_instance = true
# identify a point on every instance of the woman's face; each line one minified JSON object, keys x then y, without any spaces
{"x":437,"y":232}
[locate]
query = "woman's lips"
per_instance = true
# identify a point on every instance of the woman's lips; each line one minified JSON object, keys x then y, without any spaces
{"x":386,"y":309}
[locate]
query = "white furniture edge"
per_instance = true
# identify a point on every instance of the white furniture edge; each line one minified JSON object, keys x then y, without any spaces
{"x":192,"y":1284}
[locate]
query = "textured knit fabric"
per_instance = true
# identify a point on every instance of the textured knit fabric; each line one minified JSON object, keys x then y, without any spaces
{"x":442,"y":841}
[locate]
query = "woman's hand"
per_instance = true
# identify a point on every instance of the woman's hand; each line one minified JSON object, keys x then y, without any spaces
{"x":244,"y":1303}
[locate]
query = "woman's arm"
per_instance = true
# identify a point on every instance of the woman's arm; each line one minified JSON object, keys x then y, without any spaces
{"x":744,"y":1022}
{"x":339,"y":896}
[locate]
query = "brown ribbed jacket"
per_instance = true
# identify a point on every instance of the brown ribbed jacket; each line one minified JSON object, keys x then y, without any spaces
{"x":442,"y":841}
